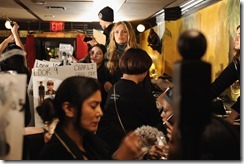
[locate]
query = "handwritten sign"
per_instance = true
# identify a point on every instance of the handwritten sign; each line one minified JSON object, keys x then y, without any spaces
{"x":62,"y":72}
{"x":43,"y":64}
{"x":56,"y":75}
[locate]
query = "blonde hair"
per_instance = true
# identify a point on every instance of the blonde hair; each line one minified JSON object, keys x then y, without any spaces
{"x":113,"y":60}
{"x":236,"y":51}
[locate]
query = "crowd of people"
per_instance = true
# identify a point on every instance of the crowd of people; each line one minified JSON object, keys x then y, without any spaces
{"x":95,"y":119}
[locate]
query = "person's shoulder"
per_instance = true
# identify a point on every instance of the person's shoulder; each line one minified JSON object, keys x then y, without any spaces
{"x":52,"y":149}
{"x":109,"y":28}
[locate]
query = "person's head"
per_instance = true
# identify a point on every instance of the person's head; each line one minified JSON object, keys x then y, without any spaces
{"x":219,"y":141}
{"x":135,"y":61}
{"x":46,"y":111}
{"x":106,"y":16}
{"x":167,"y":104}
{"x":237,"y":39}
{"x":50,"y":84}
{"x":123,"y":33}
{"x":77,"y":102}
{"x":16,"y":62}
{"x":97,"y":53}
{"x":12,"y":46}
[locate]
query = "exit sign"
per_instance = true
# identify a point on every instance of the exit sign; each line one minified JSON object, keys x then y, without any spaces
{"x":56,"y":26}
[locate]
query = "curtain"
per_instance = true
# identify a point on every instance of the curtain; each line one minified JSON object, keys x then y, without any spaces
{"x":30,"y":50}
{"x":81,"y":47}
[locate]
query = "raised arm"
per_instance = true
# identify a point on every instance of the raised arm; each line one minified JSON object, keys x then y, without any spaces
{"x":5,"y":43}
{"x":16,"y":36}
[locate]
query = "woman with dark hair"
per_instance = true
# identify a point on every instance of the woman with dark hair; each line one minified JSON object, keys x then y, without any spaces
{"x":77,"y":107}
{"x":166,"y":103}
{"x":96,"y":55}
{"x":128,"y":105}
{"x":228,"y":76}
{"x":15,"y":61}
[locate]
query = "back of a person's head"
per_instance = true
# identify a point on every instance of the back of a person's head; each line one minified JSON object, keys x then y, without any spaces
{"x":135,"y":61}
{"x":220,"y":141}
{"x":12,"y":46}
{"x":46,"y":111}
{"x":74,"y":90}
{"x":14,"y":59}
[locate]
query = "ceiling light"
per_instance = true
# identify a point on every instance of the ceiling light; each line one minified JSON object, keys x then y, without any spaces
{"x":143,"y":26}
{"x":140,"y":28}
{"x":49,"y":16}
{"x":56,"y":7}
{"x":40,"y":3}
{"x":8,"y":24}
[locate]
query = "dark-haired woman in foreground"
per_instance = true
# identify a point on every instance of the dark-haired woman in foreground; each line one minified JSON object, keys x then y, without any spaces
{"x":77,"y":106}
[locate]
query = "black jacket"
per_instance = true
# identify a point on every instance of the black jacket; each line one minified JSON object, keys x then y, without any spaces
{"x":107,"y":33}
{"x":54,"y":149}
{"x":136,"y":107}
{"x":227,"y":77}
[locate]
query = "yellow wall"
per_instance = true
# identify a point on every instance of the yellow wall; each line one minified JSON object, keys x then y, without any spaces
{"x":217,"y":22}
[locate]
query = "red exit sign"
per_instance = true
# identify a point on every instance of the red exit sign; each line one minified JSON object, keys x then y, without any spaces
{"x":56,"y":26}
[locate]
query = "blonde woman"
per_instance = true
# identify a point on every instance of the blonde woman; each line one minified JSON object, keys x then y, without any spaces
{"x":122,"y":37}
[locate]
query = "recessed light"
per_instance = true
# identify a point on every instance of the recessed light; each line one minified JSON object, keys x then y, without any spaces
{"x":49,"y":16}
{"x":56,"y":8}
{"x":40,"y":2}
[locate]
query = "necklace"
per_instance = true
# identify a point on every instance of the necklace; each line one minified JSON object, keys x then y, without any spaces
{"x":64,"y":144}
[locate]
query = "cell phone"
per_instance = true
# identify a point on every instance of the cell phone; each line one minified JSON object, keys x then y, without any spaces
{"x":170,"y":119}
